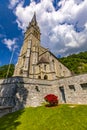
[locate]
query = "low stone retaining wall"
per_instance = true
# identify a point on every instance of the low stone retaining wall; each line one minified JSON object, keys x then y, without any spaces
{"x":5,"y":110}
{"x":22,"y":92}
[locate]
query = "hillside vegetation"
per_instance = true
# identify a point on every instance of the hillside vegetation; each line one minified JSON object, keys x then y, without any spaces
{"x":4,"y":69}
{"x":77,"y":63}
{"x":62,"y":117}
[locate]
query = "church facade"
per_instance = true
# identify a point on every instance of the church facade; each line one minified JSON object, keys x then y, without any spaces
{"x":38,"y":73}
{"x":36,"y":61}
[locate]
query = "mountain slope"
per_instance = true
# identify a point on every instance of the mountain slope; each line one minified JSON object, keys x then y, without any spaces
{"x":77,"y":63}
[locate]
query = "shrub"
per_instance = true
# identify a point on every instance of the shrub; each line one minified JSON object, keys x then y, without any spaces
{"x":51,"y":99}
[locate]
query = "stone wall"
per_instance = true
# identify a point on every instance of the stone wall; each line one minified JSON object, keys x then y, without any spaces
{"x":5,"y":110}
{"x":74,"y":91}
{"x":21,"y":92}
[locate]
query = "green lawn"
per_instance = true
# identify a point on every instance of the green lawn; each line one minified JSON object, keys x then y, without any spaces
{"x":62,"y":117}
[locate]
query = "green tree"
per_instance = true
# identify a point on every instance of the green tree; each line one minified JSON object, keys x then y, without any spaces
{"x":4,"y":69}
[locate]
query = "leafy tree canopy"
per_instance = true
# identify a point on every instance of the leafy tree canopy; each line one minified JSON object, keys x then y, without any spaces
{"x":4,"y":69}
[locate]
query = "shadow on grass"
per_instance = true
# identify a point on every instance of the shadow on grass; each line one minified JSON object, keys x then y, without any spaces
{"x":10,"y":121}
{"x":12,"y":93}
{"x":49,"y":105}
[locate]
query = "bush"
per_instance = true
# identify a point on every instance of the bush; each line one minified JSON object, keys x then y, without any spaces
{"x":51,"y":99}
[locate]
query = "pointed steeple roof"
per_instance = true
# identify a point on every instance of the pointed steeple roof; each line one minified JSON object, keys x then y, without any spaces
{"x":34,"y":21}
{"x":34,"y":18}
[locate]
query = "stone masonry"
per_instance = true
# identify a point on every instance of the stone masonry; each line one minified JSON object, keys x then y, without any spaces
{"x":21,"y":92}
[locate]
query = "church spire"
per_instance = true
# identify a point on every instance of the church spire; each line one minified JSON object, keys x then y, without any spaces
{"x":34,"y":21}
{"x":34,"y":18}
{"x":33,"y":28}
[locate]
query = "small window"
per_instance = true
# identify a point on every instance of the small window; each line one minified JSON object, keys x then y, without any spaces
{"x":84,"y":86}
{"x":37,"y":89}
{"x":72,"y":87}
{"x":45,"y":67}
{"x":39,"y":77}
{"x":52,"y":60}
{"x":24,"y":57}
{"x":60,"y":66}
{"x":39,"y":68}
{"x":21,"y":71}
{"x":61,"y":88}
{"x":45,"y":77}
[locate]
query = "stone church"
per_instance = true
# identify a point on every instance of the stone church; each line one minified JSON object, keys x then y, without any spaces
{"x":36,"y":61}
{"x":37,"y":73}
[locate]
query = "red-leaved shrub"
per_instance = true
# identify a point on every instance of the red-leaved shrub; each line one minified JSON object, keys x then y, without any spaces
{"x":51,"y":99}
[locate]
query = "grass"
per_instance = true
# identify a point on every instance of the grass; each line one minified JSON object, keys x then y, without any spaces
{"x":62,"y":117}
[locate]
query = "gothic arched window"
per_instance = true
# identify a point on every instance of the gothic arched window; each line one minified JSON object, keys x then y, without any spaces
{"x":21,"y":71}
{"x":39,"y":77}
{"x":53,"y":66}
{"x":45,"y":67}
{"x":39,"y":69}
{"x":45,"y":77}
{"x":37,"y":88}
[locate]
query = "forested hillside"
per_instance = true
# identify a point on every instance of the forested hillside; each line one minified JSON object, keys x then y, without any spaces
{"x":4,"y":69}
{"x":77,"y":63}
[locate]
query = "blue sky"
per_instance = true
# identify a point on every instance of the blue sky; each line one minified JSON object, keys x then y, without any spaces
{"x":63,"y":25}
{"x":8,"y":30}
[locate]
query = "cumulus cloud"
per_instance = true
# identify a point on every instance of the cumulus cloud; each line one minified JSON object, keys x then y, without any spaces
{"x":13,"y":3}
{"x":63,"y":30}
{"x":11,"y":44}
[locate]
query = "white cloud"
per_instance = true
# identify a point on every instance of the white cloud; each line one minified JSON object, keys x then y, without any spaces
{"x":13,"y":3}
{"x":59,"y":27}
{"x":11,"y":44}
